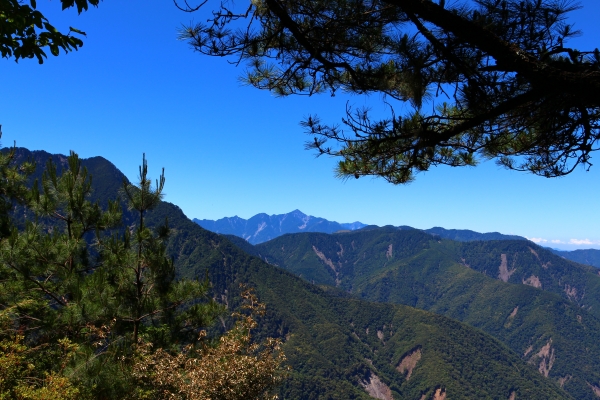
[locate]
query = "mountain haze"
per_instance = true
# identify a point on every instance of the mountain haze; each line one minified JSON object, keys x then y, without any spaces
{"x":262,"y":227}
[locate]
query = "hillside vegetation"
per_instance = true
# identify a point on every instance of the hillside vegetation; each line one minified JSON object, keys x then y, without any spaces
{"x":552,"y":329}
{"x":338,"y":345}
{"x":584,"y":256}
{"x":341,"y":347}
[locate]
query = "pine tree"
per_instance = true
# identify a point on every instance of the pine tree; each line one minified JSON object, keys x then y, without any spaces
{"x":481,"y":79}
{"x":67,"y":279}
{"x":147,"y":293}
{"x":13,"y":188}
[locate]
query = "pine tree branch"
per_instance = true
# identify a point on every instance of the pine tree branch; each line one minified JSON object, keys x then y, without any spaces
{"x":508,"y":56}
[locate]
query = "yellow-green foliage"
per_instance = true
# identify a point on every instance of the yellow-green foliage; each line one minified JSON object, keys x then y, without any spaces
{"x":235,"y":368}
{"x":21,"y":379}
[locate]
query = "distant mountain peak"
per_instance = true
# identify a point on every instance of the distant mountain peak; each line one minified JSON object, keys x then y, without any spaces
{"x":262,"y":227}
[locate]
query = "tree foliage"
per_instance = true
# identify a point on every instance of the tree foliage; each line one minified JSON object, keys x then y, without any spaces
{"x":236,"y":368}
{"x":26,"y":33}
{"x":78,"y":286}
{"x":486,"y":79}
{"x":12,"y":189}
{"x":19,"y":378}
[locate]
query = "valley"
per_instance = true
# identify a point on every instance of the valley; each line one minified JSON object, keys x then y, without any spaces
{"x":394,"y":313}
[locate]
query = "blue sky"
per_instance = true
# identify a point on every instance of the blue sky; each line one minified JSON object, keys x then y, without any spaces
{"x":229,"y":149}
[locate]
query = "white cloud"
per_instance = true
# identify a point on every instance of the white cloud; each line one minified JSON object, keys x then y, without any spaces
{"x":581,"y":242}
{"x":571,"y":242}
{"x":537,"y":240}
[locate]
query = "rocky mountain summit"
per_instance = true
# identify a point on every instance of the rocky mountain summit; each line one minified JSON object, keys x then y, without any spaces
{"x":262,"y":227}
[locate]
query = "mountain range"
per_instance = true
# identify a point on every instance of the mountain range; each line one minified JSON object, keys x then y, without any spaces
{"x":392,"y":313}
{"x":262,"y":227}
{"x":583,"y":256}
{"x":543,"y":307}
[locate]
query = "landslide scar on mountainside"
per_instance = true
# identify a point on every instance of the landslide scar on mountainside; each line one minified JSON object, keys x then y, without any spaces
{"x":545,"y":357}
{"x":439,"y":394}
{"x":329,"y":263}
{"x":341,"y":252}
{"x":511,"y":317}
{"x":533,"y":281}
{"x":544,"y":265}
{"x":377,"y":389}
{"x":504,"y":274}
{"x":409,"y":362}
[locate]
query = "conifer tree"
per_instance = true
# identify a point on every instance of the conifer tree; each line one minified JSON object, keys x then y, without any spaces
{"x":13,"y":187}
{"x":146,"y":291}
{"x":475,"y":79}
{"x":66,"y":281}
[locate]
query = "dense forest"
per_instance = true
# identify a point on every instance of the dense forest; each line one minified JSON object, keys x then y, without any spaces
{"x":540,"y":305}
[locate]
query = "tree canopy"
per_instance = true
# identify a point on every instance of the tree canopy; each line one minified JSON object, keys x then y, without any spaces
{"x":483,"y":79}
{"x":81,"y":284}
{"x":25,"y":32}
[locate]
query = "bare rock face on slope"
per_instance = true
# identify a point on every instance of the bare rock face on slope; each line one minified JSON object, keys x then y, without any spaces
{"x":377,"y":389}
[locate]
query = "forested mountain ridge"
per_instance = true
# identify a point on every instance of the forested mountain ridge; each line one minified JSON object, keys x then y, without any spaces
{"x":263,"y":227}
{"x":107,"y":179}
{"x":342,"y":347}
{"x":552,"y":328}
{"x":341,"y":336}
{"x":465,"y":235}
{"x":381,"y":247}
{"x":583,"y":256}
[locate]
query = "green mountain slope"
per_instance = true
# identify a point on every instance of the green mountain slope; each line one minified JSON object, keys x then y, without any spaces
{"x":465,"y":235}
{"x":583,"y":256}
{"x":337,"y":344}
{"x":340,"y":347}
{"x":525,"y":263}
{"x":547,"y":329}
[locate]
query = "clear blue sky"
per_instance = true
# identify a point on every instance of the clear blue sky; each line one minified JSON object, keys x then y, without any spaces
{"x":229,"y":149}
